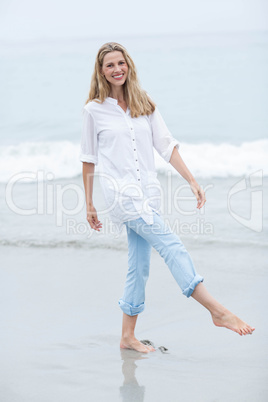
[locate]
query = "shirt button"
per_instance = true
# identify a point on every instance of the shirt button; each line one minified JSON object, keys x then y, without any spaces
{"x":131,"y":128}
{"x":136,"y":160}
{"x":133,"y":139}
{"x":138,"y":170}
{"x":139,"y":179}
{"x":134,"y":149}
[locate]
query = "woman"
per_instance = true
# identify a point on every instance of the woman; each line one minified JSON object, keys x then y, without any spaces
{"x":121,"y":126}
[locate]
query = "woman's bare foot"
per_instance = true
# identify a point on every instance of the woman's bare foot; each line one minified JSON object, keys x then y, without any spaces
{"x":229,"y":320}
{"x":220,"y":315}
{"x":134,"y":344}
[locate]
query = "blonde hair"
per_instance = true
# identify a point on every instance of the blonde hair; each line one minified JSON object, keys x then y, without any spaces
{"x":136,"y":98}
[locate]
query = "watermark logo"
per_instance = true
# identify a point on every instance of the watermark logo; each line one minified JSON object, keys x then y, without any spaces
{"x":66,"y":201}
{"x":198,"y":227}
{"x":256,"y":201}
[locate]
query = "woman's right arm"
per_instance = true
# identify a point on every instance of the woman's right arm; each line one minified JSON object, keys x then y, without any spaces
{"x":88,"y":177}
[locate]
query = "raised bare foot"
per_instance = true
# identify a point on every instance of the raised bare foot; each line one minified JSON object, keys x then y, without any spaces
{"x":134,"y":344}
{"x":231,"y":321}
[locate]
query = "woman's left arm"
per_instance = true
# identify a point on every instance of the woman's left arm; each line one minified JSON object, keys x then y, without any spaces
{"x":177,"y":162}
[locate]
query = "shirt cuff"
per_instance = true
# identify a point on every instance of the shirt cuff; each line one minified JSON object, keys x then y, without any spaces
{"x":168,"y":153}
{"x":88,"y":159}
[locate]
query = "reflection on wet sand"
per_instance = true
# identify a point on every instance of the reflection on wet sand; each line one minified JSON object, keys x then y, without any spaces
{"x":131,"y":391}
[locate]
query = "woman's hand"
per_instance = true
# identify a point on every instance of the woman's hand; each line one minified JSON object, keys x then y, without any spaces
{"x":177,"y":162}
{"x":92,"y":218}
{"x":199,"y":193}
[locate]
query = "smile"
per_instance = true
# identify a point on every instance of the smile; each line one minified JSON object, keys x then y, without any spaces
{"x":118,"y":77}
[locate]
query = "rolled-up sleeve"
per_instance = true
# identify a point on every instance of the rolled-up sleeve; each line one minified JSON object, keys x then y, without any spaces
{"x":89,"y":140}
{"x":163,"y":141}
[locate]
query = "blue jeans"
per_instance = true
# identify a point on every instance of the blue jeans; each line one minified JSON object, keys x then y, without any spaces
{"x":141,"y":238}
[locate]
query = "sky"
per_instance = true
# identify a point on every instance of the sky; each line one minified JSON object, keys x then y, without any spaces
{"x":31,"y":19}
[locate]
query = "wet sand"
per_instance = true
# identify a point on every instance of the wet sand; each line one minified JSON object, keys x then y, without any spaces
{"x":60,"y":329}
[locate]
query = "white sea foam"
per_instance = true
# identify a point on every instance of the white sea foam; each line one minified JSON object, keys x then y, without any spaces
{"x":61,"y":158}
{"x":222,"y":160}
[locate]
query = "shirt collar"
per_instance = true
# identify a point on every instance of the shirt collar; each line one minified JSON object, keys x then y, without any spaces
{"x":114,"y":102}
{"x":111,"y":100}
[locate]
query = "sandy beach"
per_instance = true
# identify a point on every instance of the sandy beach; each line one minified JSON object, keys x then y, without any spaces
{"x":60,"y":329}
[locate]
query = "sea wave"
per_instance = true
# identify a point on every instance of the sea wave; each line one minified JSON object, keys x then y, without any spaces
{"x":205,"y":160}
{"x":121,"y":244}
{"x":63,"y":243}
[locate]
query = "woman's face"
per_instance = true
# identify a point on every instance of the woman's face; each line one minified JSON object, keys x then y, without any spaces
{"x":115,"y":68}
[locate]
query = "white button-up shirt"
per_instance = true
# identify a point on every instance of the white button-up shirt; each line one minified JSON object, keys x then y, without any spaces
{"x":122,"y":147}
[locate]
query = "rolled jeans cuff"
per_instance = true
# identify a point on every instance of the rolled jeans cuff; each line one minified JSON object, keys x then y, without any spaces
{"x":188,"y":291}
{"x":129,"y":309}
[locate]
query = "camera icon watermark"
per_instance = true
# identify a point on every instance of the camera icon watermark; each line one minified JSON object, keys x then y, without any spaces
{"x":255,"y":181}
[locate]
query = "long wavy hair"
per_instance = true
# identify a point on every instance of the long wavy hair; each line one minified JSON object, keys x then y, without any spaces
{"x":136,"y":98}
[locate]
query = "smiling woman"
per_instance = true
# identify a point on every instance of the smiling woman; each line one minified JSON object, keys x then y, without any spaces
{"x":115,"y":67}
{"x":112,"y":61}
{"x":115,"y":70}
{"x":121,"y":127}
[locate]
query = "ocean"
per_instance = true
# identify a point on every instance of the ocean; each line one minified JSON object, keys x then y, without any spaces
{"x":60,"y":280}
{"x":210,"y":89}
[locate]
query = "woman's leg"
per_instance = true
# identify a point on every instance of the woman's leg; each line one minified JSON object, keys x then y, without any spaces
{"x":128,"y":339}
{"x":220,"y":315}
{"x":172,"y":250}
{"x":133,"y":299}
{"x":139,"y":255}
